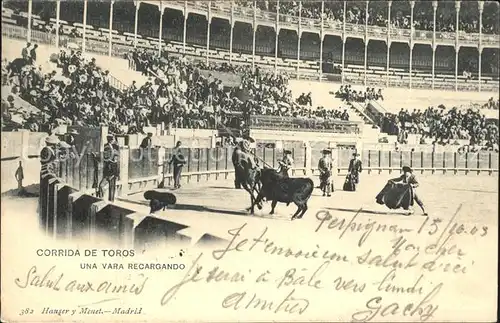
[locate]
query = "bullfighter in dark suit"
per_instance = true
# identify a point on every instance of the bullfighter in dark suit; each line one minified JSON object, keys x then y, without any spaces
{"x":178,"y":161}
{"x":325,"y":166}
{"x":239,"y":175}
{"x":408,"y":178}
{"x":355,"y":168}
{"x":111,"y":170}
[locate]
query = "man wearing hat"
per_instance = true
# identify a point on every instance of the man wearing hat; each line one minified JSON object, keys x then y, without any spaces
{"x":408,"y":178}
{"x":48,"y":157}
{"x":238,"y":171}
{"x":147,"y":142}
{"x":355,"y":168}
{"x":63,"y":151}
{"x":244,"y":163}
{"x":110,"y":170}
{"x":19,"y":175}
{"x":178,"y":160}
{"x":70,"y":137}
{"x":285,"y":163}
{"x":25,"y":53}
{"x":325,"y":166}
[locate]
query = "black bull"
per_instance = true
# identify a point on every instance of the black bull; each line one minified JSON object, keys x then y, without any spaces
{"x":277,"y":188}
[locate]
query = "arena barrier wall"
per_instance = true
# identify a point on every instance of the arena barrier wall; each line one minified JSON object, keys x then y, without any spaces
{"x":141,"y":171}
{"x":67,"y":213}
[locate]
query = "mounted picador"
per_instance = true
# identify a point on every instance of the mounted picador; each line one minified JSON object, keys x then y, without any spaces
{"x":246,"y":171}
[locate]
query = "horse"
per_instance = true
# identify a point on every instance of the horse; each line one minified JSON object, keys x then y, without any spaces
{"x":251,"y":184}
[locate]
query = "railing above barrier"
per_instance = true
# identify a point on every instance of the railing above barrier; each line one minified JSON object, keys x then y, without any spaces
{"x":305,"y":124}
{"x":223,"y":9}
{"x":141,"y":171}
{"x":101,"y":46}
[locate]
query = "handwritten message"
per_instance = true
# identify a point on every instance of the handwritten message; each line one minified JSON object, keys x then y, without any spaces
{"x":429,"y":249}
{"x":369,"y":268}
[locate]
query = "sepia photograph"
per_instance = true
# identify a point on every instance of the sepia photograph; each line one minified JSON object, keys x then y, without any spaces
{"x":249,"y":161}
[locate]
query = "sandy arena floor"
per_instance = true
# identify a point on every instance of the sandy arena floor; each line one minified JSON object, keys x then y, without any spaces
{"x":223,"y":207}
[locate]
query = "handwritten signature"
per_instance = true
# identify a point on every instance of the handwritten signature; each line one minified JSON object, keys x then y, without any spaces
{"x":423,"y":308}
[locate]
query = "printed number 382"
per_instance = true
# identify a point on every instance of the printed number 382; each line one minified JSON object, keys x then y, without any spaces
{"x":26,"y":311}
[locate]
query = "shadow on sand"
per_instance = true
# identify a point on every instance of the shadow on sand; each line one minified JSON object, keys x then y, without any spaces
{"x":201,"y":208}
{"x":32,"y":190}
{"x":361,"y":211}
{"x":224,"y":188}
{"x":474,"y":191}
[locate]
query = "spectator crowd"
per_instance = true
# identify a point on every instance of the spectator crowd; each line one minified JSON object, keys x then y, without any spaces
{"x":443,"y":126}
{"x":177,"y":93}
{"x":347,"y":93}
{"x":491,"y":104}
{"x":400,"y":14}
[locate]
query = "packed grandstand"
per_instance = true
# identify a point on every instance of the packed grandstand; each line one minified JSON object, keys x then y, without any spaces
{"x":231,"y":83}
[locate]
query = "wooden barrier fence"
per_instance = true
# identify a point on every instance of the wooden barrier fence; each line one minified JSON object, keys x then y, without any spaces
{"x":68,"y":209}
{"x":144,"y":170}
{"x":434,"y":162}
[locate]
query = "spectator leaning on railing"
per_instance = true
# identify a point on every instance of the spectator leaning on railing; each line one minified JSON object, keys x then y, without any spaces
{"x":423,"y":18}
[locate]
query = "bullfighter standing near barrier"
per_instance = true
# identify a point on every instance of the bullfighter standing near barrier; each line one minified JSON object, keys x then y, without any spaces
{"x":19,"y":175}
{"x":239,"y":174}
{"x":286,"y":163}
{"x":110,"y":171}
{"x":355,"y":168}
{"x":325,"y":166}
{"x":408,"y":178}
{"x":177,"y":161}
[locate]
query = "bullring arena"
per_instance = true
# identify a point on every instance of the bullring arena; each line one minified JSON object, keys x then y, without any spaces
{"x":427,"y":67}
